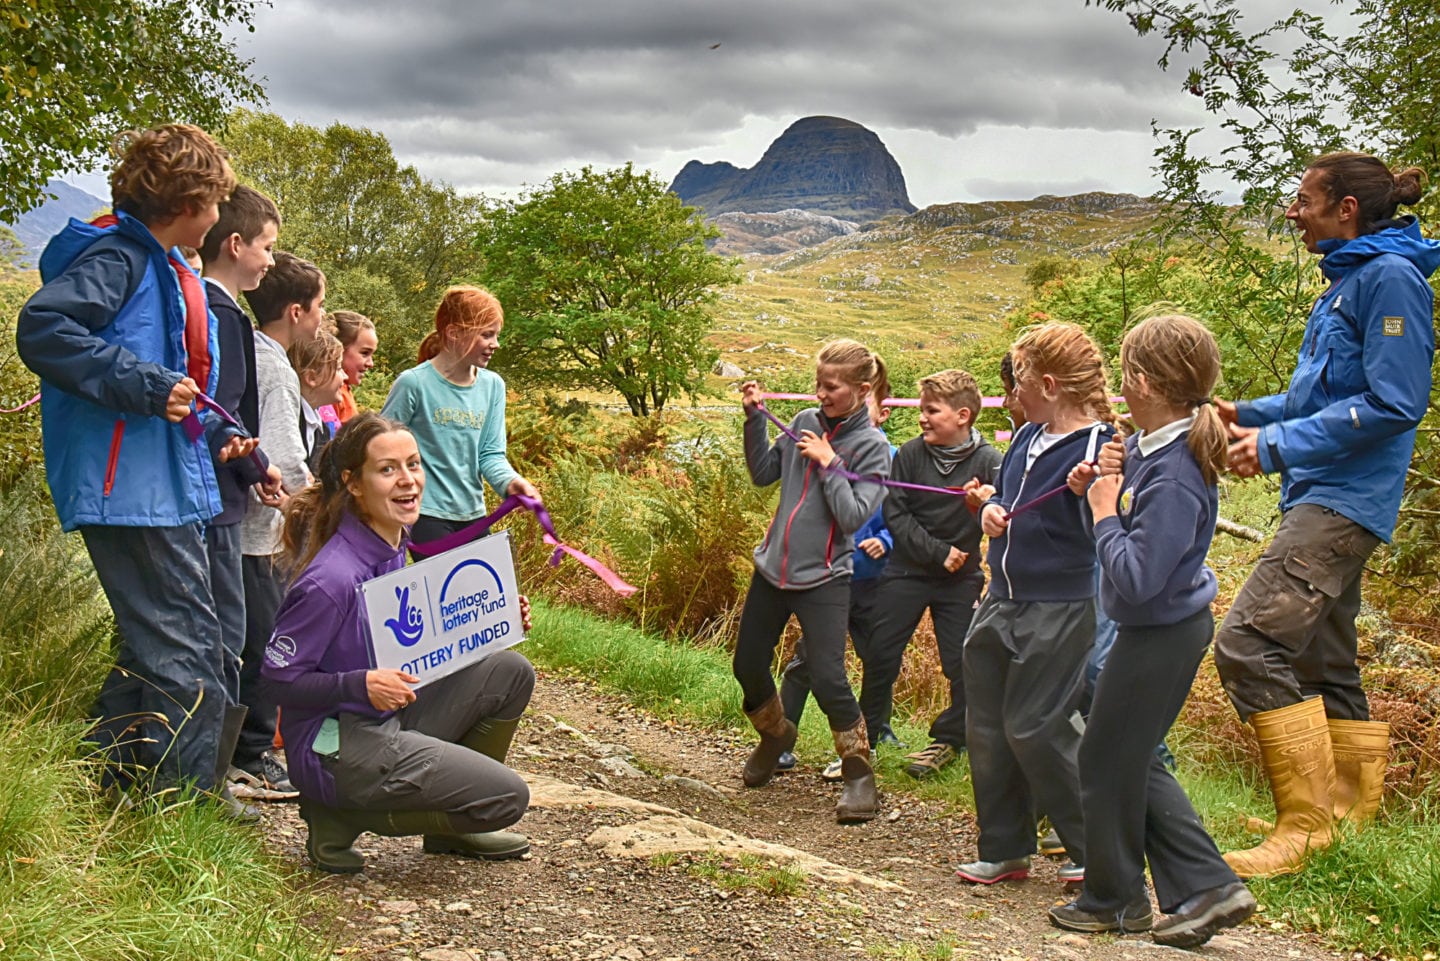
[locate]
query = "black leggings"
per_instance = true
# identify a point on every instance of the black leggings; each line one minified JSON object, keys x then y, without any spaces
{"x":823,"y":613}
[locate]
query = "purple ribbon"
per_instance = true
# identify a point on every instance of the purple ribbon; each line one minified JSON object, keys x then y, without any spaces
{"x":478,"y":528}
{"x":195,"y":430}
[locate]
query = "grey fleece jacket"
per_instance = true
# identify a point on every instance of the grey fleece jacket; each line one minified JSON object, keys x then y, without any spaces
{"x":809,"y":541}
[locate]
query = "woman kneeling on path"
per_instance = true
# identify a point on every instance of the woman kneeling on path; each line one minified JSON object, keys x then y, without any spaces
{"x":366,"y":750}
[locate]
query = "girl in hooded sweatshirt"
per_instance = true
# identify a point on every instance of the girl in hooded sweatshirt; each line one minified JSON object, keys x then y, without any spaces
{"x":803,"y":566}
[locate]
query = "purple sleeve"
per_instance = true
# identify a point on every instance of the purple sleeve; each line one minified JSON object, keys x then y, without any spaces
{"x":305,"y":627}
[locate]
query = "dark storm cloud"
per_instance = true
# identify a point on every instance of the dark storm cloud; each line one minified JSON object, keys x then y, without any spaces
{"x":538,"y":83}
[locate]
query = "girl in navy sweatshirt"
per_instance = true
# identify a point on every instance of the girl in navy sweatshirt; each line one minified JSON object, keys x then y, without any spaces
{"x":1154,"y":507}
{"x":803,"y":566}
{"x":1024,"y":660}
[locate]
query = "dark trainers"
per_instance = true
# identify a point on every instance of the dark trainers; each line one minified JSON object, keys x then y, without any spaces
{"x":787,"y":762}
{"x":1197,"y":919}
{"x":1136,"y":917}
{"x":989,"y":872}
{"x":1051,"y":846}
{"x":269,"y":782}
{"x":926,"y":763}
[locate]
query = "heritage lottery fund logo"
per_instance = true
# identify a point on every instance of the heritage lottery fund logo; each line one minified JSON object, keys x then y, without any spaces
{"x":435,"y":617}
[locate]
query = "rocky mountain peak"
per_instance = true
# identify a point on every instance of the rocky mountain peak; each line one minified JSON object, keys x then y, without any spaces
{"x":822,"y":165}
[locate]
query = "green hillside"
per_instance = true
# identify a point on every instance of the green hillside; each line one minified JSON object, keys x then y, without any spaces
{"x":937,"y":282}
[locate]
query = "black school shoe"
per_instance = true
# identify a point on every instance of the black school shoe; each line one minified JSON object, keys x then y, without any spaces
{"x":1197,"y":919}
{"x":1135,"y":918}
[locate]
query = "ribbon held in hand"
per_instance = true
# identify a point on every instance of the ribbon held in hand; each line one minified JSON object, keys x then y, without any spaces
{"x":477,"y":529}
{"x":195,"y":430}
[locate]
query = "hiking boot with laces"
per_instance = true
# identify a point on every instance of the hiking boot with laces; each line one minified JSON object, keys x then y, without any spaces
{"x":989,"y":872}
{"x":928,"y":762}
{"x":1051,"y":846}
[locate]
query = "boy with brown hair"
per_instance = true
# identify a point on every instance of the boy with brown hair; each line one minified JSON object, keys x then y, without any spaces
{"x":288,"y":303}
{"x":236,"y":254}
{"x":935,"y":562}
{"x":123,"y":343}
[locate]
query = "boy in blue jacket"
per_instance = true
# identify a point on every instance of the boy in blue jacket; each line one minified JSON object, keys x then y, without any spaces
{"x":123,"y":342}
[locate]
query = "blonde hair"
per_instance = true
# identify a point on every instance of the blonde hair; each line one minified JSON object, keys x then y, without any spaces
{"x":1180,"y":361}
{"x":1073,"y":359}
{"x":857,"y":363}
{"x":464,"y":309}
{"x":316,"y":355}
{"x":955,"y":388}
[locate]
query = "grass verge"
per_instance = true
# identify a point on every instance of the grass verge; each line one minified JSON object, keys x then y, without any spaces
{"x":1377,"y":891}
{"x":82,"y":879}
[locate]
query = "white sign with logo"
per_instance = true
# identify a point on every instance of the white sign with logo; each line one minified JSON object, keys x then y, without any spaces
{"x":436,"y":616}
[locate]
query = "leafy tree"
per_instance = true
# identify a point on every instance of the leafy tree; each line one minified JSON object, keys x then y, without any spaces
{"x":1294,"y":89}
{"x":606,"y":284}
{"x":388,"y":240}
{"x":74,"y":73}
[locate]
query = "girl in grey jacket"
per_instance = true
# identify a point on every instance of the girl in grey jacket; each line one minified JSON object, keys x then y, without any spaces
{"x":803,"y":565}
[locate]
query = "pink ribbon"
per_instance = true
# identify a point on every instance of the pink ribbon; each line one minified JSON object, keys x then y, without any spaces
{"x":15,"y":410}
{"x":906,"y":401}
{"x":851,"y":475}
{"x":478,"y":528}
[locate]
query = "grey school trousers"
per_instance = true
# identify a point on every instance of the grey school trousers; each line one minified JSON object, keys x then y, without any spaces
{"x":411,"y":762}
{"x":1024,"y":676}
{"x":1291,"y":632}
{"x":1134,"y":808}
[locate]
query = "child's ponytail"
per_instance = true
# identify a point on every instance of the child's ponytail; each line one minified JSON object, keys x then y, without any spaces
{"x":465,"y":309}
{"x":1209,"y":441}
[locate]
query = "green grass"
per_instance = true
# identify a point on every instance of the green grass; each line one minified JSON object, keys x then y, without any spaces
{"x":81,"y":879}
{"x":748,"y":872}
{"x":1377,"y":891}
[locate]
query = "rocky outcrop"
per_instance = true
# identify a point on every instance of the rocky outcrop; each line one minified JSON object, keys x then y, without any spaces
{"x":821,"y":165}
{"x":776,"y":233}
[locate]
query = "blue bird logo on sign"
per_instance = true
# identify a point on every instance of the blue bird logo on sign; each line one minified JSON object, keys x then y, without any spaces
{"x":407,"y":625}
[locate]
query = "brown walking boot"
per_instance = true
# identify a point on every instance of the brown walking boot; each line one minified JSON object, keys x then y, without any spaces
{"x":777,"y":735}
{"x":859,"y":799}
{"x":1295,"y":752}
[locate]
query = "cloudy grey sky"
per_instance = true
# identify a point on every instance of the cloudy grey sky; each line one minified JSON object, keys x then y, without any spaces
{"x":977,"y":99}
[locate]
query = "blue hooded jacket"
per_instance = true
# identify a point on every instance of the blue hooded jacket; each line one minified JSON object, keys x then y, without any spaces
{"x":106,"y":336}
{"x":1342,"y":434}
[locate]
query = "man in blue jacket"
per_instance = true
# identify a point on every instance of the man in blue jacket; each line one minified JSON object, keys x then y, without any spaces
{"x":123,"y":342}
{"x":1341,"y":438}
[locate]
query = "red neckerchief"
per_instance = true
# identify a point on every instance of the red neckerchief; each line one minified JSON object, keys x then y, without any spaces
{"x":198,"y":359}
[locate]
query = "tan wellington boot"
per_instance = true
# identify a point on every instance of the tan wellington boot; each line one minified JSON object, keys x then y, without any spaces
{"x":859,"y":799}
{"x":1295,"y":752}
{"x":1362,"y":753}
{"x":777,"y":735}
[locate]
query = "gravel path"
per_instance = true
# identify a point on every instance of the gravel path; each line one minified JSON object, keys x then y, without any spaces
{"x":614,"y":785}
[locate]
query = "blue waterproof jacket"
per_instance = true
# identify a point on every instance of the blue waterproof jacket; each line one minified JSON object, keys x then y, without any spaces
{"x":106,"y":336}
{"x":1341,"y":436}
